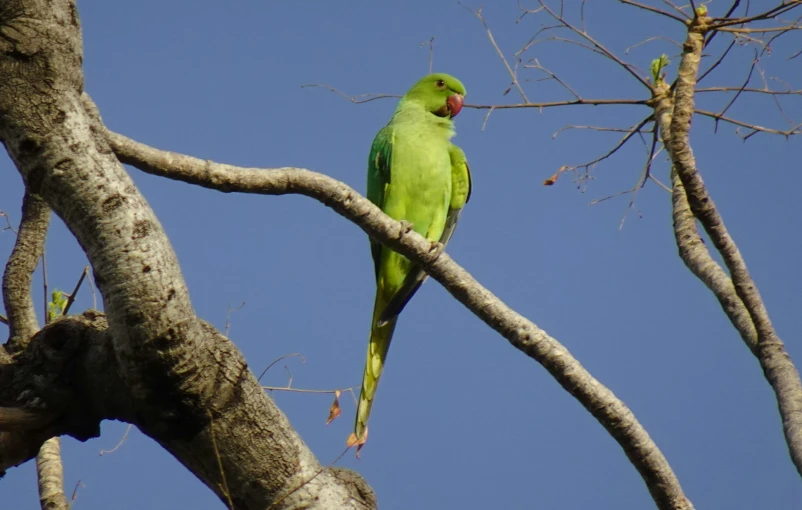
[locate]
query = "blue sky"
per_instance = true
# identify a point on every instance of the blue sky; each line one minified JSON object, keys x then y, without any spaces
{"x":461,"y":420}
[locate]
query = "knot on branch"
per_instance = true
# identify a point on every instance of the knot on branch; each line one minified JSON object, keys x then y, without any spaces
{"x":62,"y":378}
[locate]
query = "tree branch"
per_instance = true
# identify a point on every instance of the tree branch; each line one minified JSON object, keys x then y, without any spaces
{"x":524,"y":335}
{"x":18,"y":274}
{"x":776,"y":364}
{"x":697,"y":258}
{"x":22,"y":324}
{"x":179,"y":373}
{"x":50,"y":472}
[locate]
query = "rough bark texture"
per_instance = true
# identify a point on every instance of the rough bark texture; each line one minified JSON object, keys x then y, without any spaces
{"x":675,"y":123}
{"x":524,"y":335}
{"x":175,"y":377}
{"x":692,"y":249}
{"x":50,"y":471}
{"x":22,"y":325}
{"x":18,"y":274}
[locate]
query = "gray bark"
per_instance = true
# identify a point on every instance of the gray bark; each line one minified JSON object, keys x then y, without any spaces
{"x":736,"y":292}
{"x":154,"y":363}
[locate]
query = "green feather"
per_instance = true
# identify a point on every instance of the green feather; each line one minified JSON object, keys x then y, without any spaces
{"x":417,"y":175}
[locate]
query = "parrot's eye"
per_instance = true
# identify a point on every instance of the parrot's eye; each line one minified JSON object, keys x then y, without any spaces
{"x":441,"y":84}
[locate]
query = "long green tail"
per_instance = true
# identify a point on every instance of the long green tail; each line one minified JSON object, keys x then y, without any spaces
{"x":380,"y":337}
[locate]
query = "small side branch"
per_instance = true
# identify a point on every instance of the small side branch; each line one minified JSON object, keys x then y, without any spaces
{"x":512,"y":72}
{"x":19,"y":270}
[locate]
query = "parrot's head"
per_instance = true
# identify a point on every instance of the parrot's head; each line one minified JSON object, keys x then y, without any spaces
{"x":441,"y":94}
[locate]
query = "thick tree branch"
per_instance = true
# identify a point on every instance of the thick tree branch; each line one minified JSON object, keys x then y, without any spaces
{"x":692,"y":249}
{"x":611,"y":412}
{"x":50,"y":472}
{"x":18,"y":274}
{"x":776,"y":364}
{"x":697,"y":258}
{"x":64,"y":382}
{"x":185,"y":385}
{"x":22,"y":325}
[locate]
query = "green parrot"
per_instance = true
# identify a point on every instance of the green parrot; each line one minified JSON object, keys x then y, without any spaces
{"x":416,"y":175}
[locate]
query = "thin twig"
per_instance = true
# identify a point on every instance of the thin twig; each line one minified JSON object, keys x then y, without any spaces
{"x":74,"y":293}
{"x":362,"y":98}
{"x":632,"y":132}
{"x":654,"y":10}
{"x":44,"y":284}
{"x":549,"y":104}
{"x":430,"y":44}
{"x":299,"y":390}
{"x":754,"y":127}
{"x":752,"y":89}
{"x":119,"y":443}
{"x":94,"y":293}
{"x":8,"y":226}
{"x":510,"y":71}
{"x":293,"y":355}
{"x":228,"y":315}
{"x":559,"y":18}
{"x":224,"y":487}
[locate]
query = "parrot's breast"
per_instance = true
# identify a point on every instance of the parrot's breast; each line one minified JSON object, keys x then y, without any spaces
{"x":420,"y":179}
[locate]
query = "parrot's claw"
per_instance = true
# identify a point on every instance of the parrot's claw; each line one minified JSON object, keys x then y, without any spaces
{"x":437,"y":247}
{"x":406,"y":227}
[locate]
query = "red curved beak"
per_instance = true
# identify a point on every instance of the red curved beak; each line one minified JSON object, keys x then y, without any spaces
{"x":454,"y":104}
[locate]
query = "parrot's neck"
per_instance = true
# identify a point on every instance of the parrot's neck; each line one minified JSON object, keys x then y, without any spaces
{"x":414,"y":113}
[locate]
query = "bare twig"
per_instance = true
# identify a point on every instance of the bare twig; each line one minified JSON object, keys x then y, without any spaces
{"x":751,"y":89}
{"x":650,"y":39}
{"x":301,"y":390}
{"x":513,"y":74}
{"x":362,"y":98}
{"x":293,"y":355}
{"x":224,"y":486}
{"x":74,"y":496}
{"x":536,"y":65}
{"x":677,"y":9}
{"x":44,"y":285}
{"x":71,"y":298}
{"x":740,"y":90}
{"x":655,"y":10}
{"x":627,"y":137}
{"x":228,"y":315}
{"x":718,"y":61}
{"x":94,"y":293}
{"x":8,"y":226}
{"x":430,"y":44}
{"x":119,"y":443}
{"x":597,"y":45}
{"x":795,"y":130}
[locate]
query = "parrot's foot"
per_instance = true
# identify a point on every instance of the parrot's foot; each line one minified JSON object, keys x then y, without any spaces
{"x":406,"y":227}
{"x":437,"y":248}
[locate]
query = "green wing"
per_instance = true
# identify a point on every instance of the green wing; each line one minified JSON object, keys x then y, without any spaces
{"x":460,"y":194}
{"x":379,"y":161}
